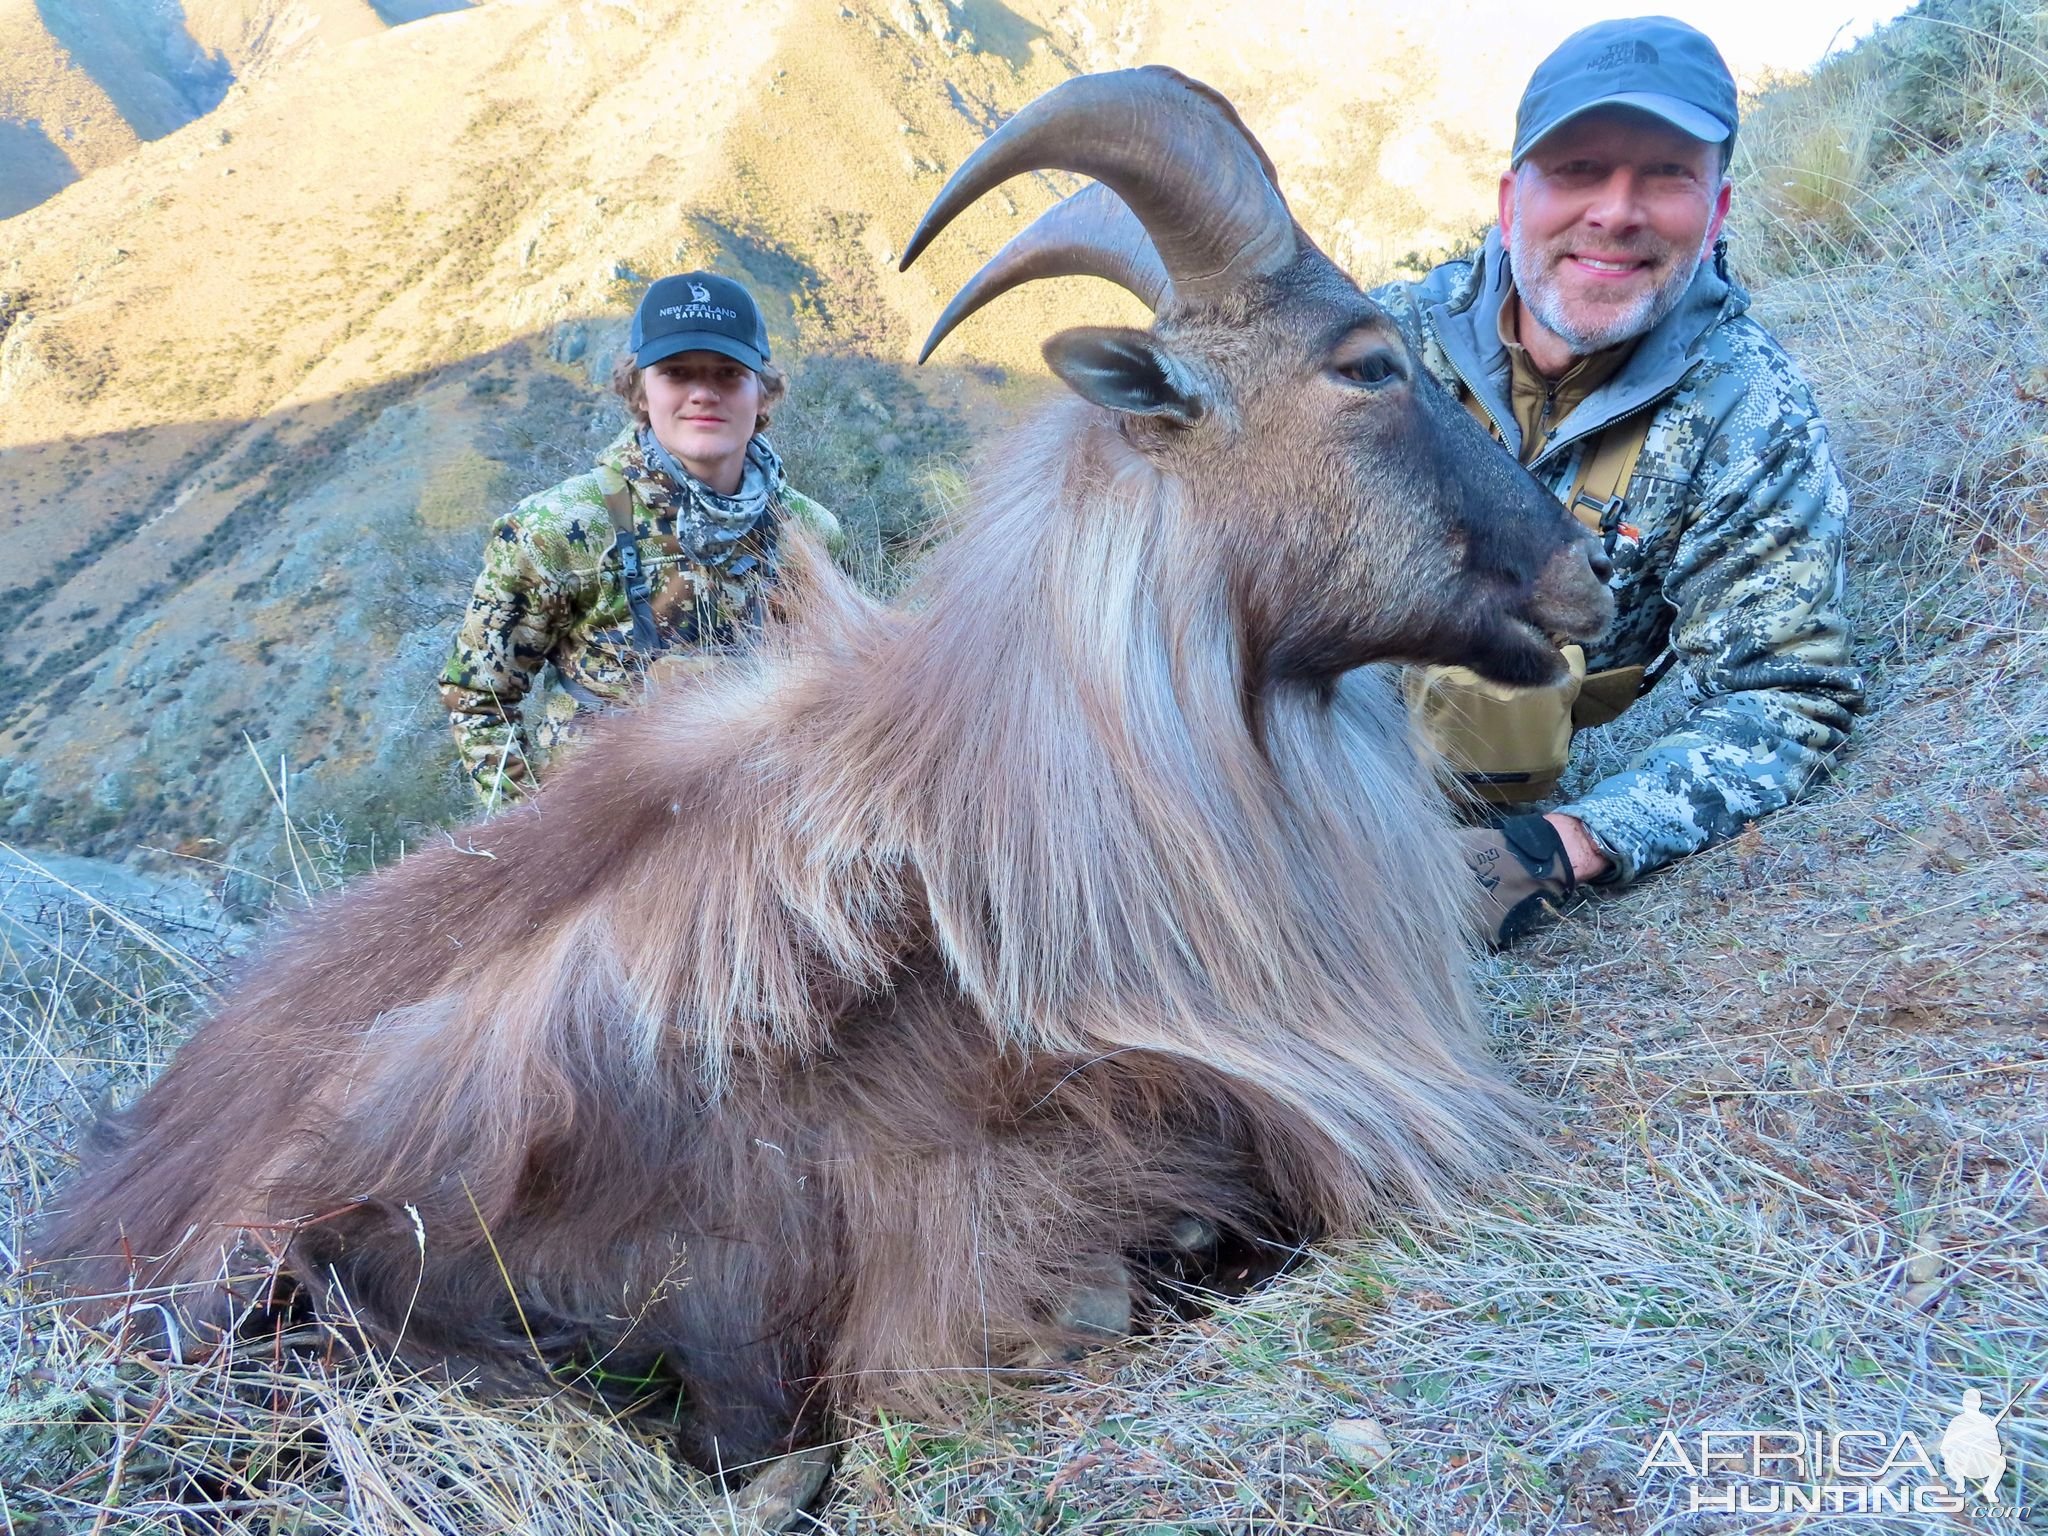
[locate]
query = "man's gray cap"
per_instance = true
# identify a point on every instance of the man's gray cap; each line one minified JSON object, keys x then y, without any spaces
{"x":1652,"y":63}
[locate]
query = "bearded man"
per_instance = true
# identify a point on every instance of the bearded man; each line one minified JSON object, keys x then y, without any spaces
{"x":1599,"y":336}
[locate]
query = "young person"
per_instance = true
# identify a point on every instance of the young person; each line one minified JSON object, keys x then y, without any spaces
{"x":669,"y":545}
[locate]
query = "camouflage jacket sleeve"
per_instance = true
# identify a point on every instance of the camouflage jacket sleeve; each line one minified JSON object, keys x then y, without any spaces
{"x":816,"y":519}
{"x":1759,"y":640}
{"x":516,"y":612}
{"x":1404,"y":301}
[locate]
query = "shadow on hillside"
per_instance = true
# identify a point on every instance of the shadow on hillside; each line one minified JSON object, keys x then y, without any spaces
{"x":140,"y":53}
{"x":294,"y":605}
{"x":999,"y":30}
{"x":396,"y":13}
{"x":31,"y":167}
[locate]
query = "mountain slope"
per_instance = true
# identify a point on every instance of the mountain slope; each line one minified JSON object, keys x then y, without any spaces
{"x":254,"y":373}
{"x":1792,"y":1087}
{"x":56,"y":122}
{"x":257,"y":37}
{"x":82,"y":82}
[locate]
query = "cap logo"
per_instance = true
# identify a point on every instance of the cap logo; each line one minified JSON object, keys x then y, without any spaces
{"x":1621,"y":55}
{"x":699,"y":293}
{"x":697,"y":312}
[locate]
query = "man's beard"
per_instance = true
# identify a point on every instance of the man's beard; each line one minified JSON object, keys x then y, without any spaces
{"x":1535,"y":272}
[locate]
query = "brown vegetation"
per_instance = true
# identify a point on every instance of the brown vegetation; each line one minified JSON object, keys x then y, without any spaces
{"x":300,"y":263}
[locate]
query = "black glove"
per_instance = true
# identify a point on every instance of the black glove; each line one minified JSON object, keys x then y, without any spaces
{"x":1524,"y":875}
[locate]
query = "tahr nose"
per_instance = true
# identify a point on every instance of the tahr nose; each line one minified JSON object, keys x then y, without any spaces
{"x":1603,"y":568}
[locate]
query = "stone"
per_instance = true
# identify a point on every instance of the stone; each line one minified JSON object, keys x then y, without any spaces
{"x":1362,"y":1442}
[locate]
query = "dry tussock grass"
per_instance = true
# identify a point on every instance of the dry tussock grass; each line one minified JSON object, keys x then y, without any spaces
{"x":1795,"y":1089}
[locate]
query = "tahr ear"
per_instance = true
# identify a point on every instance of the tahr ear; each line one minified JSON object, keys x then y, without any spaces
{"x":1126,"y":370}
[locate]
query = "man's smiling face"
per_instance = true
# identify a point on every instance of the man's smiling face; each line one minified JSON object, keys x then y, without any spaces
{"x":1605,"y":223}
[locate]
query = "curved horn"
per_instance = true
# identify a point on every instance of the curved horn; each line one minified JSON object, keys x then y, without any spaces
{"x":1170,"y":147}
{"x":1091,"y":234}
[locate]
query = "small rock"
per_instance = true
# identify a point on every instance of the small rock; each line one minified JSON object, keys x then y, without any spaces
{"x":777,"y":1497}
{"x":1362,"y":1441}
{"x":1925,"y":1265}
{"x":1721,"y":1078}
{"x":1919,"y":1297}
{"x":569,"y":342}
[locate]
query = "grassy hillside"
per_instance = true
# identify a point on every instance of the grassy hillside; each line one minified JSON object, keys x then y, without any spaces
{"x":1795,"y":1085}
{"x":272,"y":378}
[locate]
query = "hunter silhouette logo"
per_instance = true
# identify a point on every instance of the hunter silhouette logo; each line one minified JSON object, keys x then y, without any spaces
{"x":1970,"y":1450}
{"x":700,"y":294}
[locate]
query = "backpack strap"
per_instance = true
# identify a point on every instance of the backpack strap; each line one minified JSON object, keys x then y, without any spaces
{"x":768,"y":538}
{"x":1599,"y":499}
{"x":625,"y":539}
{"x":1600,"y":488}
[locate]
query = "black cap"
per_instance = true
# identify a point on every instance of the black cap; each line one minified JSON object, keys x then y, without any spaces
{"x":698,"y":312}
{"x":1652,"y":63}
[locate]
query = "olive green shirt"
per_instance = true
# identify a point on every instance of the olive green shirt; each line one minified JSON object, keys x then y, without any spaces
{"x":1539,"y":403}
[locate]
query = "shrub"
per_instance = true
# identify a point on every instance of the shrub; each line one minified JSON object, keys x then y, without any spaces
{"x":1957,"y":68}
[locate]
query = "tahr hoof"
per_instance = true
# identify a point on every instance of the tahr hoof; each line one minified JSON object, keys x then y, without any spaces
{"x":1193,"y":1238}
{"x":1098,"y":1310}
{"x":1095,"y":1312}
{"x":779,"y":1497}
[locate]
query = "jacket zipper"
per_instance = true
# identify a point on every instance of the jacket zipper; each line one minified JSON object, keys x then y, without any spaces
{"x":1552,"y":447}
{"x":1491,"y":419}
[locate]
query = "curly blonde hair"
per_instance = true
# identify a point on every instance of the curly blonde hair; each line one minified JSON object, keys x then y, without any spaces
{"x":627,"y":385}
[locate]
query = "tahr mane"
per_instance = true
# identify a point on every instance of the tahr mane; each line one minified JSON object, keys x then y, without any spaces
{"x":1046,"y":770}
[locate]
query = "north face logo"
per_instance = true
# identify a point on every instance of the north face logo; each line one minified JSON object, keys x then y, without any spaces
{"x":1621,"y":55}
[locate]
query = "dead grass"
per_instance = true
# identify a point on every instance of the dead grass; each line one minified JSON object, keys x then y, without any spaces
{"x":1796,"y":1089}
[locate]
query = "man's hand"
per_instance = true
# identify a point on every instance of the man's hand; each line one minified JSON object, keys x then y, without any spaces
{"x":1588,"y":862}
{"x":1524,"y":873}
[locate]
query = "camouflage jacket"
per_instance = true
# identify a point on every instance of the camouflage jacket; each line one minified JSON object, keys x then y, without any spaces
{"x":1728,"y":557}
{"x":552,"y":595}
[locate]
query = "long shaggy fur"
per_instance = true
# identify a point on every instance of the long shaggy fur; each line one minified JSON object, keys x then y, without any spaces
{"x":811,"y":1035}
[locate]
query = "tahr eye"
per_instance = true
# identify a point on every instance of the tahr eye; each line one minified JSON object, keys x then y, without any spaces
{"x":1370,"y":371}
